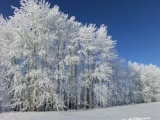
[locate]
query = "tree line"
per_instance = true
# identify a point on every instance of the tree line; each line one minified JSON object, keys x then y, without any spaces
{"x":51,"y":62}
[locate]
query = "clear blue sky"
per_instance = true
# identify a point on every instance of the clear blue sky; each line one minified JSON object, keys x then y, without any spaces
{"x":135,"y":24}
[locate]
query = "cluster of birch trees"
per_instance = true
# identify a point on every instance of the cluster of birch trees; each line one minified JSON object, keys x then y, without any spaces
{"x":49,"y":61}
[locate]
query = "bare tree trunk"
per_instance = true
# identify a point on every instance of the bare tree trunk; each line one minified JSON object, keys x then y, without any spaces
{"x":35,"y":81}
{"x":76,"y":86}
{"x":89,"y":80}
{"x":58,"y":67}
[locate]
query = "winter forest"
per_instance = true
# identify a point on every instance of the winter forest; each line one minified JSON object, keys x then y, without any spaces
{"x":51,"y":62}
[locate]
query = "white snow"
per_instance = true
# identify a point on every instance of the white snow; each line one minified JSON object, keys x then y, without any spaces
{"x":150,"y":111}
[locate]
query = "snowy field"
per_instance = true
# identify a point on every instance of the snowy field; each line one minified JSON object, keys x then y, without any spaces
{"x":149,"y":111}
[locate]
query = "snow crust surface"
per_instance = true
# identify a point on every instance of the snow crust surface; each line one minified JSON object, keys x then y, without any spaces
{"x":150,"y":111}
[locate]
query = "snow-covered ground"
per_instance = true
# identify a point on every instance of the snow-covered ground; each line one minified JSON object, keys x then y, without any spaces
{"x":150,"y":111}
